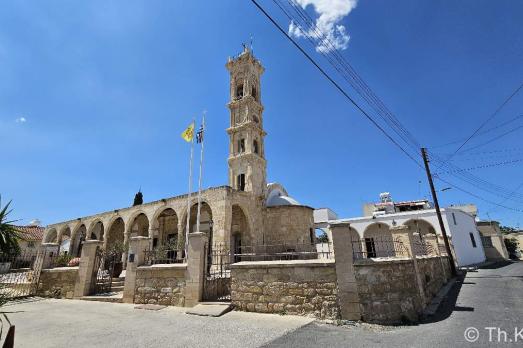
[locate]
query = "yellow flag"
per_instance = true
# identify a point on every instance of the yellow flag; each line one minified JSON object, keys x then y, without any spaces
{"x":187,"y":134}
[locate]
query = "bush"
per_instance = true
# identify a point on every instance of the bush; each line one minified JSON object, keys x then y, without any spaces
{"x":62,"y":260}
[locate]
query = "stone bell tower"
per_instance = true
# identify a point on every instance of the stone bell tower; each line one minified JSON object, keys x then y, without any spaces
{"x":247,"y":165}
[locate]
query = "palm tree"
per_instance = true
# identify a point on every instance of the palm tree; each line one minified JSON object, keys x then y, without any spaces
{"x":8,"y":233}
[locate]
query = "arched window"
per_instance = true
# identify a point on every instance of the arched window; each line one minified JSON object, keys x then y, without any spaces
{"x":241,"y":146}
{"x":256,"y":118}
{"x":239,"y":91}
{"x":255,"y":146}
{"x":254,"y":93}
{"x":241,"y":182}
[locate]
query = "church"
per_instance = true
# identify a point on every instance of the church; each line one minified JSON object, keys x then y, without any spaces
{"x":246,"y":212}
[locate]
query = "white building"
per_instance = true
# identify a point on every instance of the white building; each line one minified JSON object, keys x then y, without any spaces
{"x":460,"y":226}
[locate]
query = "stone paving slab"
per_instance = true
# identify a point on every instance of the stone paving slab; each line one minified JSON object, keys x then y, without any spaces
{"x":210,"y":309}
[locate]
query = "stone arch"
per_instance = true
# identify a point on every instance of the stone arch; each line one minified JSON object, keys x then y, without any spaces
{"x":139,"y":225}
{"x":79,"y":236}
{"x":115,"y":233}
{"x":357,"y":247}
{"x":420,"y":228}
{"x":378,"y":241}
{"x":51,"y":236}
{"x":64,"y":240}
{"x":240,"y":230}
{"x":96,"y":230}
{"x":165,"y":226}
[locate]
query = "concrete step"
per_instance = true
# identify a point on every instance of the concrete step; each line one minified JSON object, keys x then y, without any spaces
{"x":115,"y":297}
{"x":119,"y":279}
{"x":210,"y":309}
{"x":118,"y":283}
{"x":117,"y":288}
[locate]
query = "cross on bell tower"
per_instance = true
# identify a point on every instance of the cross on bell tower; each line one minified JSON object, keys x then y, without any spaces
{"x":247,"y":165}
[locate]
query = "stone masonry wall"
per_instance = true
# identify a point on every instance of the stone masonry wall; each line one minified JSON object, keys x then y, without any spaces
{"x":160,"y":284}
{"x":58,"y":282}
{"x":432,"y":275}
{"x":292,"y":223}
{"x":388,"y":290}
{"x":305,"y":287}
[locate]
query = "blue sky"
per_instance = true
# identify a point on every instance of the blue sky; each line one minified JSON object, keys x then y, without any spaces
{"x":105,"y":89}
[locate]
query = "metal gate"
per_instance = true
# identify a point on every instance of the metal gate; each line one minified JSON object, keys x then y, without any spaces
{"x":217,"y":282}
{"x":101,"y":279}
{"x":19,"y":274}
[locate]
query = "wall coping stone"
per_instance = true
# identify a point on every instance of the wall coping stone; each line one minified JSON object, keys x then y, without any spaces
{"x":282,"y":264}
{"x":61,"y":269}
{"x":381,"y":260}
{"x":164,"y":266}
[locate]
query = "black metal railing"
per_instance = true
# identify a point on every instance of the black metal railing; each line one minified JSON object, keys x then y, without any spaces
{"x":163,"y":256}
{"x":376,"y":247}
{"x":283,"y":251}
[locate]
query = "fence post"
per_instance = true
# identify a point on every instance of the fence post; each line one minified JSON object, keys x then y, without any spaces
{"x":348,"y":296}
{"x":404,"y":234}
{"x":45,"y":255}
{"x":137,"y":247}
{"x":195,"y":274}
{"x":86,"y":268}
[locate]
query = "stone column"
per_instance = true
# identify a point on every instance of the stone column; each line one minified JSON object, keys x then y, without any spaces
{"x":405,"y":235}
{"x":348,"y":296}
{"x":126,"y":236}
{"x":195,"y":274}
{"x":137,"y":247}
{"x":86,"y":268}
{"x":47,"y":252}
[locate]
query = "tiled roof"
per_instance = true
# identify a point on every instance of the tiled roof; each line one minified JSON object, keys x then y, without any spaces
{"x":31,"y":233}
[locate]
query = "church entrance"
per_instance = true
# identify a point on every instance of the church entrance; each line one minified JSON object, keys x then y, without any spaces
{"x":217,"y":282}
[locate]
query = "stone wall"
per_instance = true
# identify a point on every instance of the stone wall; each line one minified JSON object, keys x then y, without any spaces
{"x":58,"y":282}
{"x":432,"y":276}
{"x":161,"y":284}
{"x":388,"y":290}
{"x":305,"y":287}
{"x":291,"y":223}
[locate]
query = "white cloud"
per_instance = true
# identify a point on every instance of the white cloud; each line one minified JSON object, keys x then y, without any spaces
{"x":21,"y":119}
{"x":329,"y":33}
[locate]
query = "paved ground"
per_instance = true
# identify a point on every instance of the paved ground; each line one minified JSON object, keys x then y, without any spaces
{"x":487,"y":298}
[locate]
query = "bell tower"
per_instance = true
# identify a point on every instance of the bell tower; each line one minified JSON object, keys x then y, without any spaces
{"x":247,"y":165}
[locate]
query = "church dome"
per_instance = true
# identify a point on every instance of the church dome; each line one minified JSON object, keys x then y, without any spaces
{"x":277,"y":196}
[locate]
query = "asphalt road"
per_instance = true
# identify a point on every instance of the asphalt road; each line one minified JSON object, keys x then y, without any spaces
{"x":487,"y":300}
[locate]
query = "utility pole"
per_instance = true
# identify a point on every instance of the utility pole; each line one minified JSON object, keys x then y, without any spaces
{"x":438,"y":211}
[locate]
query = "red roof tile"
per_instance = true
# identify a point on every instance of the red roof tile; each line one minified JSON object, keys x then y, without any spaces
{"x":31,"y":233}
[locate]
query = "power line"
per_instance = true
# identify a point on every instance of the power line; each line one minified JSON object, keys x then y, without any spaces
{"x":482,"y":166}
{"x":335,"y":84}
{"x":483,"y":132}
{"x":486,"y":121}
{"x":493,"y":139}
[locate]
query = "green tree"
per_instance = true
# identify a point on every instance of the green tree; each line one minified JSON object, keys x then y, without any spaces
{"x":138,"y":198}
{"x":322,"y":238}
{"x":8,"y":233}
{"x":512,"y":245}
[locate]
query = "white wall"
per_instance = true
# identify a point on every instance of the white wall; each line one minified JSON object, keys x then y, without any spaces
{"x":466,"y":254}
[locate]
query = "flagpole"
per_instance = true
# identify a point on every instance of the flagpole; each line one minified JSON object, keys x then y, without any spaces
{"x":189,"y":197}
{"x":200,"y":178}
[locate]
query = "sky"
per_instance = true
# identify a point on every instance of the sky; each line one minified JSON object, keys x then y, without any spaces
{"x":94,"y":96}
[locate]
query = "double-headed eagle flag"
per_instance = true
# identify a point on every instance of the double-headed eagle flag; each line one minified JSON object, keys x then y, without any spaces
{"x":188,"y":134}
